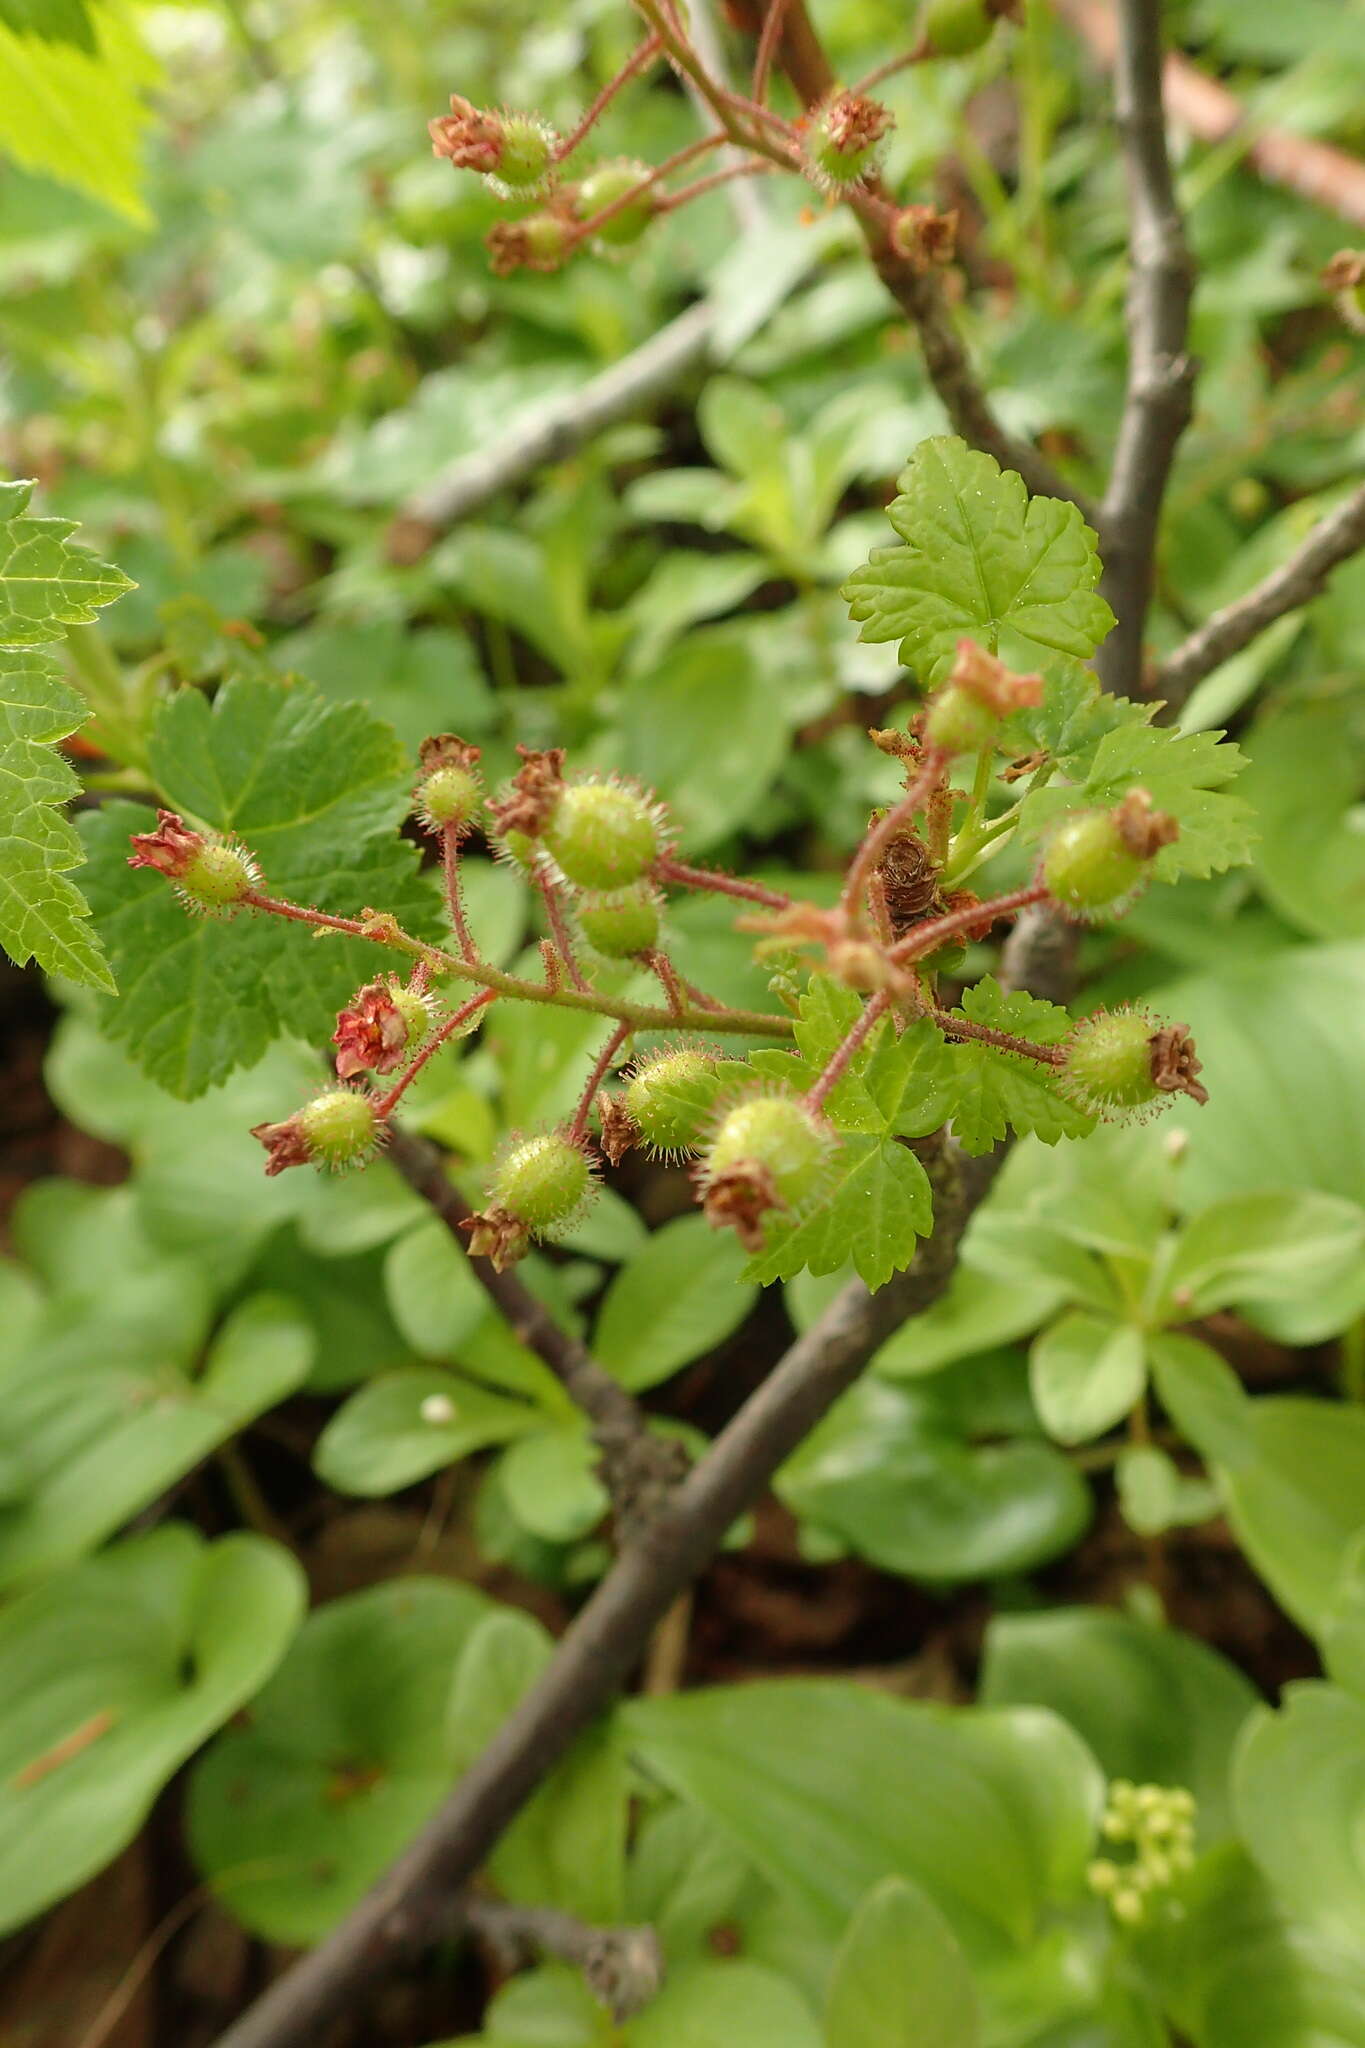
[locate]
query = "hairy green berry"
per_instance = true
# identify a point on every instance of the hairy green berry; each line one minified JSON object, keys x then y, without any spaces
{"x":671,"y":1095}
{"x":542,"y":1181}
{"x":777,"y":1133}
{"x":954,"y":28}
{"x":525,"y":156}
{"x":623,"y":922}
{"x":218,"y":876}
{"x":604,"y":835}
{"x":449,"y":796}
{"x":602,"y":188}
{"x":960,"y":722}
{"x":1109,"y":1062}
{"x":1088,"y":867}
{"x":842,"y":139}
{"x":339,"y":1127}
{"x":540,"y":242}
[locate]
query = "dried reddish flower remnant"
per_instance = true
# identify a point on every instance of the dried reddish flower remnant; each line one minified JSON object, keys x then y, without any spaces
{"x":538,"y":243}
{"x":924,"y":237}
{"x":171,"y":849}
{"x":1345,"y":271}
{"x":526,"y":806}
{"x":852,"y":122}
{"x":1143,"y":830}
{"x":286,"y":1145}
{"x":986,"y":678}
{"x":1175,"y":1070}
{"x":619,"y":1129}
{"x":469,"y":136}
{"x":497,"y":1237}
{"x":739,"y":1198}
{"x":372,"y":1033}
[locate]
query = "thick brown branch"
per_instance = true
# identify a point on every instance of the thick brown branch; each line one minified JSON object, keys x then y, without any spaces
{"x":1333,"y":541}
{"x":638,"y":1468}
{"x":1161,"y":374}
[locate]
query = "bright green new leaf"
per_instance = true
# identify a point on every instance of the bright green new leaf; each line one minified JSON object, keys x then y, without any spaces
{"x":75,"y":112}
{"x":999,"y":1091}
{"x":900,"y":1978}
{"x":344,"y":1758}
{"x":1299,"y":1786}
{"x":1155,"y":1495}
{"x":46,"y":584}
{"x":110,"y":1676}
{"x":1086,"y":1373}
{"x":1154,"y":1705}
{"x":315,"y":790}
{"x":43,"y":916}
{"x":981,"y":560}
{"x":56,"y":21}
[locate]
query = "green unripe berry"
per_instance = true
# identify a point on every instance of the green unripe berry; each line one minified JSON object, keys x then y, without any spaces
{"x":954,"y":28}
{"x":603,"y":835}
{"x":960,"y":722}
{"x":1109,"y":1062}
{"x":543,"y":1180}
{"x":449,"y":796}
{"x":778,"y":1133}
{"x":520,"y":849}
{"x":339,"y":1127}
{"x":623,"y":922}
{"x":608,"y":183}
{"x":842,"y":140}
{"x":217,"y":876}
{"x":1088,"y":867}
{"x":672,"y":1096}
{"x":415,"y":1010}
{"x":524,"y":158}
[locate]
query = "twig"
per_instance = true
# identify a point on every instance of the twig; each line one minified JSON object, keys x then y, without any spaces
{"x":1325,"y":176}
{"x":554,"y":431}
{"x":623,"y":1967}
{"x":1333,"y":541}
{"x":638,"y":1468}
{"x":1161,"y":374}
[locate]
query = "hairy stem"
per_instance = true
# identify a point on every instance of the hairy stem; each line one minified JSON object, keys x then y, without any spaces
{"x":670,"y":870}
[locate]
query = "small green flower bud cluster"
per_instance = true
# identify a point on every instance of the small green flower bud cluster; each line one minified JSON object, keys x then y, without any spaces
{"x":1157,"y":1823}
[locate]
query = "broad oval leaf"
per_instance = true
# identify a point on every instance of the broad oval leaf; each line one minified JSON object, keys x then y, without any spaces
{"x":293,"y":1817}
{"x":680,"y":1295}
{"x":900,"y":1977}
{"x":110,"y":1676}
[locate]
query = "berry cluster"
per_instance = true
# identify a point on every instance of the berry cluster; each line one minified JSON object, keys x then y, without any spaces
{"x":598,"y":852}
{"x":835,"y":146}
{"x":1156,"y":1822}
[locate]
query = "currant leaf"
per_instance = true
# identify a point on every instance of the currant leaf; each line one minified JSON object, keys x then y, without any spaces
{"x":316,"y":791}
{"x":893,"y":1087}
{"x":981,"y":559}
{"x":43,"y":916}
{"x":874,"y":1204}
{"x":1183,"y":773}
{"x":1002,"y":1091}
{"x":46,"y":584}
